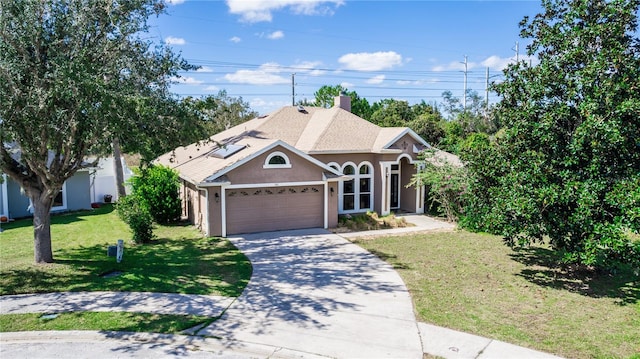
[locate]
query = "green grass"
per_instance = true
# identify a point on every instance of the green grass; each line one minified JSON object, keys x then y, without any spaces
{"x":476,"y":284}
{"x":114,"y":321}
{"x":180,"y":260}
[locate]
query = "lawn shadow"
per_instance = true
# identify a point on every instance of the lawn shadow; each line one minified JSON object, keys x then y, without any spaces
{"x":389,"y":258}
{"x":170,"y":266}
{"x":544,"y":269}
{"x":60,"y":218}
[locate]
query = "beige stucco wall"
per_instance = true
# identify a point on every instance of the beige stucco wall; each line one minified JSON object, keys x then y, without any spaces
{"x":333,"y":205}
{"x":253,"y":172}
{"x":215,"y":211}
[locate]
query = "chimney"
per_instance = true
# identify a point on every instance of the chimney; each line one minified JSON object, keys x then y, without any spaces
{"x":343,"y":101}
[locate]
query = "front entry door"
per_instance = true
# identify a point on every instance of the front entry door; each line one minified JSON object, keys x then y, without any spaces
{"x":395,"y":187}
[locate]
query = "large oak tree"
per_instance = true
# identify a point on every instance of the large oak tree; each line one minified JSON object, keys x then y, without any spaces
{"x":74,"y":75}
{"x":567,"y":168}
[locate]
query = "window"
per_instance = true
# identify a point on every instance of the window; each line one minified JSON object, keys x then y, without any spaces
{"x":277,"y":160}
{"x":226,"y":150}
{"x":356,"y":194}
{"x":348,"y":190}
{"x":60,"y":201}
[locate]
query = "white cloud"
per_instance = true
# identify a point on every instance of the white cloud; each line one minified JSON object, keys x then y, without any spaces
{"x":266,"y":74}
{"x":175,"y":2}
{"x":347,"y":85}
{"x":496,"y":62}
{"x":204,"y":69}
{"x":493,"y":62}
{"x":409,"y":83}
{"x":371,"y":61}
{"x":174,"y":41}
{"x":235,"y":39}
{"x":275,"y":35}
{"x":212,"y":88}
{"x":187,"y":80}
{"x":309,"y":67}
{"x":376,"y":80}
{"x":453,"y":66}
{"x":261,"y":10}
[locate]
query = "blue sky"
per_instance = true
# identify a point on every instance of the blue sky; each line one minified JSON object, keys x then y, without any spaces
{"x":407,"y":50}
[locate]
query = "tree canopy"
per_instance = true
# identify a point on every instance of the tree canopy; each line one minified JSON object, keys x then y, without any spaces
{"x":74,"y":75}
{"x":567,"y":168}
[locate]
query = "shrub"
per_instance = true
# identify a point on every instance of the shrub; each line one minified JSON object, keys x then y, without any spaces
{"x":445,"y":184}
{"x":137,"y":217}
{"x":157,"y":187}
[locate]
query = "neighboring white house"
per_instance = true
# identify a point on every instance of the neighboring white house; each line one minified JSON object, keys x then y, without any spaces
{"x":87,"y":186}
{"x":103,"y":180}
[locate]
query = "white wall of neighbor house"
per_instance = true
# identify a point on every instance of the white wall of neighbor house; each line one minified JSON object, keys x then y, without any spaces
{"x":3,"y":197}
{"x":103,"y":180}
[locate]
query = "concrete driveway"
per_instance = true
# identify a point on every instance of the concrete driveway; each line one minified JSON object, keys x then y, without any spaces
{"x":316,"y":293}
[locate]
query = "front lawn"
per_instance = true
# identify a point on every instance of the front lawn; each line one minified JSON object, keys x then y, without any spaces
{"x":180,"y":260}
{"x":474,"y":283}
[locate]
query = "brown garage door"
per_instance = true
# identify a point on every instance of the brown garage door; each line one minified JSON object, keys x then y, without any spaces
{"x":272,"y":209}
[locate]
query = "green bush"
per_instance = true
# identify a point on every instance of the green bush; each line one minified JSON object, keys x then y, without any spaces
{"x":137,"y":217}
{"x":158,"y":189}
{"x":445,"y":183}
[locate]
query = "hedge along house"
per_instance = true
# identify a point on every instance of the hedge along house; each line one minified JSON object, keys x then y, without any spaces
{"x":297,"y":168}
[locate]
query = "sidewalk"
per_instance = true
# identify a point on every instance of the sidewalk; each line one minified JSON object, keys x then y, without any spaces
{"x":421,"y":223}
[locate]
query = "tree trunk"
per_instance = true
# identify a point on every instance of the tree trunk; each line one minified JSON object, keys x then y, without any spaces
{"x":117,"y":165}
{"x":42,"y":229}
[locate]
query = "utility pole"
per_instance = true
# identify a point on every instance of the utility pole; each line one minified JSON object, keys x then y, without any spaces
{"x":464,"y":97}
{"x":517,"y":50}
{"x":486,"y":93}
{"x":293,"y":89}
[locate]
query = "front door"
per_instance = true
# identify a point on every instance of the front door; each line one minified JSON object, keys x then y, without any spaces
{"x":395,"y":187}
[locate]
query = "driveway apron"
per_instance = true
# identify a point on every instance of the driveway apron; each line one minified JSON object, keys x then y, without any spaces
{"x":315,"y":292}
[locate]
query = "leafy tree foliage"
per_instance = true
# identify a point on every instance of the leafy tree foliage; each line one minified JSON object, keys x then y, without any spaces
{"x":220,"y":112}
{"x":325,"y":96}
{"x":463,"y":122}
{"x":445,"y":182}
{"x":157,"y":190}
{"x":568,"y":165}
{"x":74,"y":75}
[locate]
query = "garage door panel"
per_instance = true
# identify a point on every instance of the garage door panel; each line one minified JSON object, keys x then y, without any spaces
{"x":270,"y":209}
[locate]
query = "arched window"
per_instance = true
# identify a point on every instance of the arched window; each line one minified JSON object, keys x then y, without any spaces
{"x":277,"y":160}
{"x":356,"y":195}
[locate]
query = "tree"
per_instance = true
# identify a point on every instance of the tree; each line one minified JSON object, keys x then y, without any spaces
{"x":567,"y":168}
{"x":325,"y":96}
{"x":220,"y":112}
{"x":74,"y":75}
{"x":392,"y":113}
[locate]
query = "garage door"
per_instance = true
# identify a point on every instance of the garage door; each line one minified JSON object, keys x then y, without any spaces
{"x":272,"y":209}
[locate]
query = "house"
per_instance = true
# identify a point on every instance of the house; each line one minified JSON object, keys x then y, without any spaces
{"x":86,"y":186}
{"x":103,"y":179}
{"x":74,"y":195}
{"x":297,"y":168}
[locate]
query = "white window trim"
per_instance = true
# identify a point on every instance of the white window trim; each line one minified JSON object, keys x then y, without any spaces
{"x":356,"y":188}
{"x":64,"y":199}
{"x":287,"y":163}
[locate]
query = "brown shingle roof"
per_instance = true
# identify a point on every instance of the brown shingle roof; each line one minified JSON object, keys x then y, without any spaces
{"x":312,"y":130}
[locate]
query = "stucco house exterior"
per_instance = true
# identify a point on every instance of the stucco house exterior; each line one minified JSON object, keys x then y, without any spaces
{"x":297,"y":168}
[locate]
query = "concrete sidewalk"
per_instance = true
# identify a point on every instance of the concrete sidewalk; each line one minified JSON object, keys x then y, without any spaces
{"x":418,"y":222}
{"x":140,"y":302}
